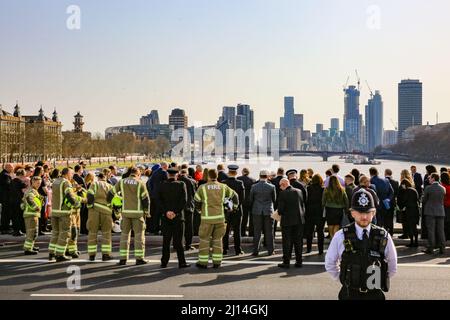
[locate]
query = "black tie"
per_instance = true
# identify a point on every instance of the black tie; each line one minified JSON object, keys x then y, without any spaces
{"x":365,"y":238}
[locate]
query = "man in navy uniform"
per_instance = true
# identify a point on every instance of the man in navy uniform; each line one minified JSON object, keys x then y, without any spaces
{"x":361,"y":255}
{"x":173,"y":197}
{"x":234,"y":217}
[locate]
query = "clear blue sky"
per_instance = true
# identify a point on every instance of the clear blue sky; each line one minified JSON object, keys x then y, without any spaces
{"x":133,"y":56}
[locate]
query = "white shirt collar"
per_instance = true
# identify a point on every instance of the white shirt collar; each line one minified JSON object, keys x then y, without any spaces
{"x":359,"y":230}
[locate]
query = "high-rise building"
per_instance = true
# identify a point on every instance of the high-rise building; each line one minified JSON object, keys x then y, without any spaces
{"x":298,"y":120}
{"x":267,"y":135}
{"x":390,"y":137}
{"x":229,"y":114}
{"x":335,"y":124}
{"x":319,"y":128}
{"x":151,"y":119}
{"x":374,"y":121}
{"x":244,"y":117}
{"x":352,"y":117}
{"x":289,"y":112}
{"x":409,"y":105}
{"x":282,"y":123}
{"x":178,"y":119}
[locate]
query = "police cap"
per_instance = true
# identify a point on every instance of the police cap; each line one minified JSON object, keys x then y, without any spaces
{"x":362,"y":201}
{"x":291,"y":171}
{"x":233,"y":167}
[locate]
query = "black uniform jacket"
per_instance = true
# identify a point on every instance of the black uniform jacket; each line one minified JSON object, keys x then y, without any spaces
{"x":173,"y":197}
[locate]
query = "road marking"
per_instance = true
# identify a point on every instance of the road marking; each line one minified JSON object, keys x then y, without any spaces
{"x":225,"y":262}
{"x":82,"y":295}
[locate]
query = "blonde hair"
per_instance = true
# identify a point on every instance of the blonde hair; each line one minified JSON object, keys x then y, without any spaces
{"x":406,"y":175}
{"x":89,"y":178}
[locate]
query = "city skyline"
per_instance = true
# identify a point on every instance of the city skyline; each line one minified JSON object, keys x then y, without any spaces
{"x":165,"y":55}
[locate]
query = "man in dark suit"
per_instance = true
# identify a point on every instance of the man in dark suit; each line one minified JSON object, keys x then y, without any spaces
{"x":292,"y":177}
{"x":433,"y":202}
{"x":262,"y":199}
{"x":418,"y":181}
{"x":395,"y":187}
{"x":246,"y":208}
{"x":173,"y":197}
{"x":276,"y":183}
{"x":221,"y":171}
{"x":291,"y":208}
{"x":78,"y":176}
{"x":6,"y":191}
{"x":234,"y":218}
{"x":159,"y":175}
{"x":189,"y":210}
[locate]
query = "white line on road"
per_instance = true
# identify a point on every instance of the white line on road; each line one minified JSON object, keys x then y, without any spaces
{"x":82,"y":295}
{"x":225,"y":262}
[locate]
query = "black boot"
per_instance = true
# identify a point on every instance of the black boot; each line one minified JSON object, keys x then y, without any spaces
{"x":51,"y":256}
{"x":63,"y":258}
{"x":122,"y":262}
{"x":30,"y":253}
{"x":140,"y":262}
{"x":107,"y":257}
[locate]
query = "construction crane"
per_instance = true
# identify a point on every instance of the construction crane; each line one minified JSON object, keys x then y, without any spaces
{"x":359,"y":80}
{"x":370,"y":90}
{"x":346,"y":83}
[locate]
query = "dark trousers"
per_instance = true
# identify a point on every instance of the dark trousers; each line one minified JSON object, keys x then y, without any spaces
{"x":43,"y":220}
{"x":235,"y":224}
{"x":196,"y":222}
{"x":447,"y":223}
{"x":83,"y":219}
{"x":345,"y":294}
{"x":173,"y":230}
{"x":318,"y":225}
{"x":292,"y":238}
{"x":5,"y":217}
{"x":246,"y":219}
{"x":436,"y":233}
{"x":423,"y":225}
{"x":188,"y":227}
{"x":388,"y":220}
{"x":17,"y":218}
{"x":155,"y":220}
{"x":260,"y":223}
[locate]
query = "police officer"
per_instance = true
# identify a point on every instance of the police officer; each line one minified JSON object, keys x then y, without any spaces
{"x":292,"y":177}
{"x":32,"y":203}
{"x":64,"y":199}
{"x":361,"y":255}
{"x":99,"y":218}
{"x":135,"y":208}
{"x":234,"y":217}
{"x":173,"y":197}
{"x":209,"y":200}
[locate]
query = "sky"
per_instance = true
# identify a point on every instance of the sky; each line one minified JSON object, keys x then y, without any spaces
{"x":129,"y":57}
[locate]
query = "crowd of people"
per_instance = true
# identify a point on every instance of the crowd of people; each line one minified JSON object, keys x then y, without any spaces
{"x":179,"y":202}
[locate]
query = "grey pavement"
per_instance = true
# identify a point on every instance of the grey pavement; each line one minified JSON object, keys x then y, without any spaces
{"x":22,"y":277}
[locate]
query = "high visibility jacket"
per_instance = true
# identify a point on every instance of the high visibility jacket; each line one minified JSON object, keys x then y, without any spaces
{"x":32,"y":202}
{"x":64,"y":198}
{"x":211,"y":197}
{"x":97,"y":196}
{"x":135,"y":199}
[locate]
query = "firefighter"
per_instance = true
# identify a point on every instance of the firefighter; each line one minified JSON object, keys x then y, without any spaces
{"x":99,"y":218}
{"x":135,"y":209}
{"x":210,"y":199}
{"x":32,"y":204}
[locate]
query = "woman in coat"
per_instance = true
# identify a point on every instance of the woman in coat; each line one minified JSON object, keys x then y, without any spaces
{"x":408,"y":202}
{"x":335,"y":202}
{"x":314,"y":214}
